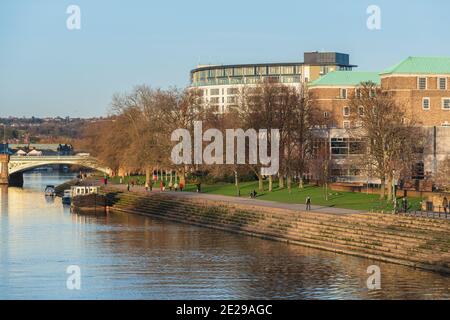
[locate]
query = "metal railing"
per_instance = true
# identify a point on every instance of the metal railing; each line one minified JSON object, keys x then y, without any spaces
{"x":440,"y":213}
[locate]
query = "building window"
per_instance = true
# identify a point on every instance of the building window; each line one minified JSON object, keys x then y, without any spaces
{"x":324,"y":70}
{"x":215,"y":92}
{"x":361,"y":111}
{"x":232,"y":91}
{"x":274,"y":70}
{"x":231,"y":99}
{"x":446,"y":103}
{"x":326,"y":114}
{"x":358,"y":93}
{"x":343,"y":94}
{"x":346,"y":124}
{"x":442,"y":82}
{"x":422,"y":83}
{"x":426,"y":103}
{"x":346,"y":111}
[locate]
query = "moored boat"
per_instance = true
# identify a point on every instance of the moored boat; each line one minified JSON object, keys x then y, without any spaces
{"x":67,"y":197}
{"x":50,"y":191}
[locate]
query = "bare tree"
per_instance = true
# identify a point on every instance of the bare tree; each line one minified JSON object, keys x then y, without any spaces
{"x":442,"y":176}
{"x":391,"y":140}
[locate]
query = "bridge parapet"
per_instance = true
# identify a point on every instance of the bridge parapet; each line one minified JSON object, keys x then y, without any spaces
{"x":16,"y":164}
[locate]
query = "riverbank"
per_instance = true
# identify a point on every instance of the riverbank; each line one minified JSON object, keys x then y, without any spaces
{"x":413,"y":241}
{"x":361,"y":201}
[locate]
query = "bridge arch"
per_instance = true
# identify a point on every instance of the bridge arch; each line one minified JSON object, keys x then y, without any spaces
{"x":18,"y":164}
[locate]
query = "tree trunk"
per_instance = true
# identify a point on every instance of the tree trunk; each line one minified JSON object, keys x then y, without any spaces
{"x":236,"y":183}
{"x":148,"y":175}
{"x":383,"y":189}
{"x":289,"y":183}
{"x":281,"y":181}
{"x":300,"y":182}
{"x":270,"y":183}
{"x":260,"y":183}
{"x":390,"y":186}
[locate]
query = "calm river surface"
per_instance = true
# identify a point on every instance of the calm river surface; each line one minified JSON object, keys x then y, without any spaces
{"x":133,"y":257}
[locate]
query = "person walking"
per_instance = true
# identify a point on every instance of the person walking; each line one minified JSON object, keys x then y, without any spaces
{"x":128,"y":186}
{"x":405,"y":204}
{"x":308,"y":203}
{"x":170,"y":185}
{"x":175,"y":186}
{"x":161,"y":185}
{"x":181,"y":186}
{"x":445,"y":204}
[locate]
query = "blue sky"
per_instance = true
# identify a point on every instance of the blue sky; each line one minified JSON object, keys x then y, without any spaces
{"x":48,"y":70}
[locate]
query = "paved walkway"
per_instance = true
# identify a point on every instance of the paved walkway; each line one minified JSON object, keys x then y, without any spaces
{"x":243,"y":200}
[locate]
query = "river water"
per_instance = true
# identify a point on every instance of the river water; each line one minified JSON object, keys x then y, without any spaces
{"x":134,"y":257}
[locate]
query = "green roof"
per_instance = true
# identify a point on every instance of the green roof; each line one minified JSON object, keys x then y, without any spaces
{"x":421,"y":65}
{"x":345,"y":78}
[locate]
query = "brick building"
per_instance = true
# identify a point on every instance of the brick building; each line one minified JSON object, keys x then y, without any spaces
{"x":420,"y":84}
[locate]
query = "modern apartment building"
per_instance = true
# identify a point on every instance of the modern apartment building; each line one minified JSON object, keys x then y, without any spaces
{"x":219,"y":84}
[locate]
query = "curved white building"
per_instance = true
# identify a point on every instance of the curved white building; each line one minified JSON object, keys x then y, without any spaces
{"x":220,"y":84}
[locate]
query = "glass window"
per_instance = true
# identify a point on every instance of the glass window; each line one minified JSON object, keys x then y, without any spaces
{"x":261,"y":71}
{"x":215,"y":92}
{"x":346,"y":111}
{"x":346,"y":124}
{"x":232,"y":91}
{"x":238,"y":71}
{"x":228,"y":72}
{"x":446,"y":103}
{"x":231,"y":99}
{"x":249,"y":71}
{"x":442,"y":83}
{"x":422,"y":83}
{"x":287,"y":70}
{"x":274,"y":70}
{"x":426,"y":103}
{"x":343,"y":94}
{"x":361,"y":111}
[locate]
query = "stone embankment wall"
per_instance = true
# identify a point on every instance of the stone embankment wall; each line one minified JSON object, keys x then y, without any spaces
{"x":412,"y":241}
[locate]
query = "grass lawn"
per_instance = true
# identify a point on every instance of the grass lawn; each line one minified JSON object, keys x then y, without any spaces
{"x":338,"y":199}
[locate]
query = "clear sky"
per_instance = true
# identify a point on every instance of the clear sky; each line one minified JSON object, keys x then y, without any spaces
{"x":49,"y":70}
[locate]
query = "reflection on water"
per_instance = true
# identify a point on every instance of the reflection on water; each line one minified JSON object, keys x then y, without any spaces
{"x":134,"y":257}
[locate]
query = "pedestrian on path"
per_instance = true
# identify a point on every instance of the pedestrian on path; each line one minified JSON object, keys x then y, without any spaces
{"x":181,"y":186}
{"x":445,"y":204}
{"x":128,"y":186}
{"x":308,"y":203}
{"x":405,"y":204}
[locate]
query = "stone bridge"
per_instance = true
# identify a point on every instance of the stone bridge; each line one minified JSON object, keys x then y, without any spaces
{"x":11,"y":165}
